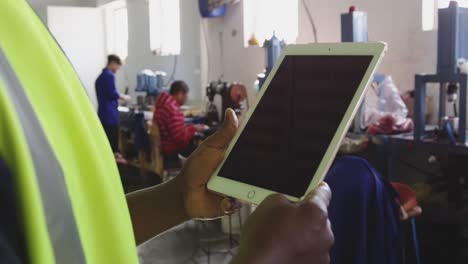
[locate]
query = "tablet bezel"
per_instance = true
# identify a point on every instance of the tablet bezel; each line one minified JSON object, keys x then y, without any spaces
{"x":254,"y":194}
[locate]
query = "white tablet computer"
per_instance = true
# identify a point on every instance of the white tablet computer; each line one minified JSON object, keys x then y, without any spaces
{"x":289,"y":138}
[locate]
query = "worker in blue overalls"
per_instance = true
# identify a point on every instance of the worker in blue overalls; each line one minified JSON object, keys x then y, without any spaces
{"x":107,"y":97}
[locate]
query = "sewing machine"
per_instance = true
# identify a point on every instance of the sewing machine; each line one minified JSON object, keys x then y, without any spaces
{"x":222,"y":95}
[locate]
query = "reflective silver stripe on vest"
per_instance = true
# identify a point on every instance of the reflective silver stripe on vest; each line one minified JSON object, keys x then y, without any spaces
{"x":62,"y":228}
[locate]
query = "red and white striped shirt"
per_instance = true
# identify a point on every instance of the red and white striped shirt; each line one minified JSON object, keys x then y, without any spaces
{"x":175,"y":135}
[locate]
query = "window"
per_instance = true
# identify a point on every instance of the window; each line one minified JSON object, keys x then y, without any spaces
{"x":164,"y":16}
{"x":262,"y":18}
{"x":429,"y":11}
{"x":116,"y":22}
{"x":428,"y":14}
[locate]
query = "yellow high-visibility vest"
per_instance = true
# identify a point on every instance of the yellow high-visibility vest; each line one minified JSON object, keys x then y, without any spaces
{"x":71,"y":199}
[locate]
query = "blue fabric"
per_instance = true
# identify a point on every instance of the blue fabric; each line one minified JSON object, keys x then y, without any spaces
{"x":12,"y":249}
{"x":107,"y":97}
{"x":364,"y":215}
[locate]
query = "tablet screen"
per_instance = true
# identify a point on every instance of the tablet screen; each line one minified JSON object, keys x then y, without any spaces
{"x":292,"y":126}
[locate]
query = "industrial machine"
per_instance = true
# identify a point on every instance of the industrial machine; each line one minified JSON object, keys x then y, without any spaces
{"x":149,"y":85}
{"x":222,"y":95}
{"x":452,"y":46}
{"x":273,"y":49}
{"x":354,"y":26}
{"x":354,"y":29}
{"x":150,"y":82}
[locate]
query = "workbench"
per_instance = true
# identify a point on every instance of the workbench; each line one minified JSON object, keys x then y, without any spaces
{"x":457,"y":158}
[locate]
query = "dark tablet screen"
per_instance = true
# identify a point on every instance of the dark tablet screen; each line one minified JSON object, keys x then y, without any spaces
{"x":289,"y":132}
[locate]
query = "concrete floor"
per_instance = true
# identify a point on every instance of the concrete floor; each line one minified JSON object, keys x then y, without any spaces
{"x":190,"y":243}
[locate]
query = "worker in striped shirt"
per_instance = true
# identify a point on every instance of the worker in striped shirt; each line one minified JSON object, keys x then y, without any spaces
{"x":176,"y":136}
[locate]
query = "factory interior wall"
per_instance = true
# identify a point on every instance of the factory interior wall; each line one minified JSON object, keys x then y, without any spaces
{"x":140,"y":56}
{"x":78,"y":27}
{"x":230,"y":60}
{"x":40,"y":6}
{"x":223,"y":55}
{"x":103,"y":2}
{"x":398,"y":22}
{"x":80,"y":32}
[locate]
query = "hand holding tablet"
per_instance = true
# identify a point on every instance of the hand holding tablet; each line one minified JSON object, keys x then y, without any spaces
{"x":288,"y":232}
{"x":290,"y":137}
{"x":199,"y":202}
